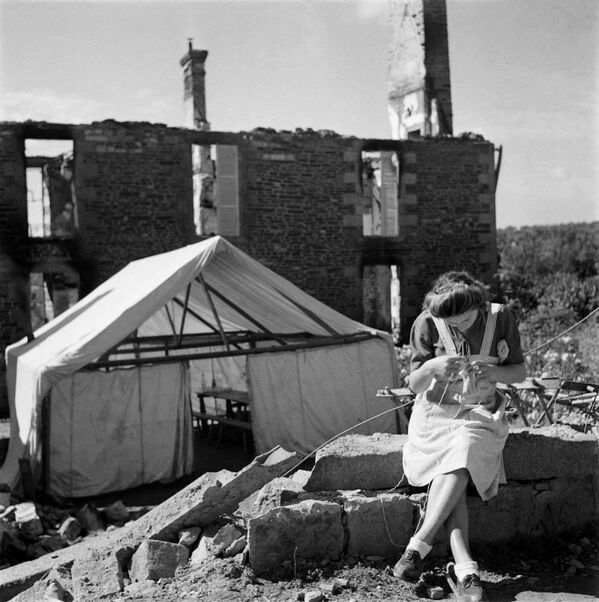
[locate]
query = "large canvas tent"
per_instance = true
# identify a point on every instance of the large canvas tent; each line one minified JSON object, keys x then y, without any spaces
{"x":100,"y":398}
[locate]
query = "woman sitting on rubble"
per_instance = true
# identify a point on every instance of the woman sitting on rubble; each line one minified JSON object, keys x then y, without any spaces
{"x":462,"y":345}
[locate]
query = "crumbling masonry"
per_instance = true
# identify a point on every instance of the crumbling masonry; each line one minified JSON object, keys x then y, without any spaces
{"x":300,"y":202}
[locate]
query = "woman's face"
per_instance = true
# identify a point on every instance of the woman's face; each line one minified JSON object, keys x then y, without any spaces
{"x":462,"y":322}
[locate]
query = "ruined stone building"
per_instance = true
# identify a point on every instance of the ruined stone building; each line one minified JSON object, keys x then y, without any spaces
{"x":346,"y":219}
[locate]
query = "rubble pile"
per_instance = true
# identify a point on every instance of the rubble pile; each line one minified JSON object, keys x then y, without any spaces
{"x":96,"y":553}
{"x":272,"y":516}
{"x":29,"y":530}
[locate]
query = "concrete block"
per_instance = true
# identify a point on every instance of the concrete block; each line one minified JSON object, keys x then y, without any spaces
{"x":358,"y":462}
{"x":310,"y":529}
{"x":378,"y":524}
{"x":213,"y":494}
{"x":155,"y":559}
{"x":549,"y":452}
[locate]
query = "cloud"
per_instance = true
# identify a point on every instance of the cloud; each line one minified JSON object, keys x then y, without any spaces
{"x":372,"y":9}
{"x":43,"y":105}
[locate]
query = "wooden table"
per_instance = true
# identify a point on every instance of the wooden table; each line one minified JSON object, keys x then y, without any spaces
{"x":237,"y":412}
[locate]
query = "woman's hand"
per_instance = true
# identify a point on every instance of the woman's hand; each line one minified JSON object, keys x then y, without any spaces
{"x":446,"y":367}
{"x":484,"y":371}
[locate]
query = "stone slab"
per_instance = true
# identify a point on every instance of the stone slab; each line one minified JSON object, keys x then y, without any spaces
{"x":378,"y":524}
{"x":155,"y":559}
{"x":358,"y":462}
{"x":203,"y":501}
{"x":549,"y":452}
{"x":533,"y":509}
{"x":309,"y":529}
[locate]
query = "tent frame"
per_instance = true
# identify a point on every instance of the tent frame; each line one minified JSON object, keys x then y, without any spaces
{"x":200,"y":340}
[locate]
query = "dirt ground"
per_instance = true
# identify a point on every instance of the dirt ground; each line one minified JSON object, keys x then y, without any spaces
{"x":564,"y":568}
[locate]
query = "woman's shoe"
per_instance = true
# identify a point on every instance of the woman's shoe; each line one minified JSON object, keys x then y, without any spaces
{"x":409,"y":566}
{"x":470,"y":589}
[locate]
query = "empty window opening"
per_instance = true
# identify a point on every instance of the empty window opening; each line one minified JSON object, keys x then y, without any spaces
{"x":41,"y":308}
{"x":380,"y":176}
{"x":51,"y":199}
{"x":215,"y":189}
{"x":371,"y":186}
{"x":381,"y":297}
{"x":395,"y":302}
{"x":51,"y":293}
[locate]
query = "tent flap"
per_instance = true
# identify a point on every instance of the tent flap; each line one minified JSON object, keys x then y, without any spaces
{"x":115,"y":430}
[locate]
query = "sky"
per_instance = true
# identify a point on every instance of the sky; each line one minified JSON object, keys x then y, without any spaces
{"x":524,"y":74}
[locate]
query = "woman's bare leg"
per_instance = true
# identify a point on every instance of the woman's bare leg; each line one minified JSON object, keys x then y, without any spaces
{"x":456,"y":526}
{"x":445,"y":493}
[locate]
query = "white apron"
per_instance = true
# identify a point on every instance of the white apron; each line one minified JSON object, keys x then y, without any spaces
{"x":450,"y":429}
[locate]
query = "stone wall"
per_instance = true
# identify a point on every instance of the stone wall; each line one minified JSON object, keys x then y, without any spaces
{"x":446,"y":215}
{"x":133,"y":186}
{"x":300,"y":209}
{"x":13,"y":238}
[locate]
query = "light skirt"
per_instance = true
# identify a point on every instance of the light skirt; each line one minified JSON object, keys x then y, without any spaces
{"x":445,"y":437}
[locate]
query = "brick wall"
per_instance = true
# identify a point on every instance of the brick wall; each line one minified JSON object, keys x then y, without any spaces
{"x":133,"y":190}
{"x":301,"y":207}
{"x":446,"y":215}
{"x":13,"y":237}
{"x":302,"y":212}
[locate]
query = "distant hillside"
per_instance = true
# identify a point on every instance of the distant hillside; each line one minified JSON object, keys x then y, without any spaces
{"x":538,"y":251}
{"x":549,"y":275}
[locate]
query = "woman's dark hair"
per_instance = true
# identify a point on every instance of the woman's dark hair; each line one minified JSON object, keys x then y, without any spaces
{"x":454,"y":293}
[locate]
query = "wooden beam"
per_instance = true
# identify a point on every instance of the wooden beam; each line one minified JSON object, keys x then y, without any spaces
{"x":312,"y":344}
{"x":214,"y":312}
{"x":240,"y":311}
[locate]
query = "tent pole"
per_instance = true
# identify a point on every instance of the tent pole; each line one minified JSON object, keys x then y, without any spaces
{"x":242,"y":312}
{"x":214,"y":313}
{"x":185,"y":308}
{"x":311,"y":315}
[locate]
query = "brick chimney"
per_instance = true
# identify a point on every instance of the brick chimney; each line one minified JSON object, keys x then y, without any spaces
{"x":194,"y":95}
{"x":418,"y":83}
